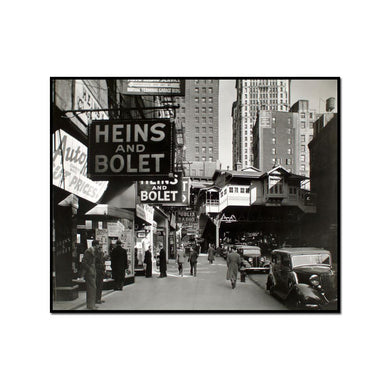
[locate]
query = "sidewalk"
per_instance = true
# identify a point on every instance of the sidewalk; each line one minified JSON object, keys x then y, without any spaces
{"x":80,"y":302}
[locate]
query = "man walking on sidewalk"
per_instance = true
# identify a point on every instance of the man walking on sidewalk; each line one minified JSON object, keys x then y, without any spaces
{"x":233,"y":262}
{"x":180,"y":259}
{"x":88,"y":271}
{"x":163,"y":262}
{"x":193,"y":260}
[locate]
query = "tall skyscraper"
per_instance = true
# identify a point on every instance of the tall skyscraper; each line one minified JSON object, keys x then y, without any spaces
{"x":198,"y":117}
{"x":254,"y":95}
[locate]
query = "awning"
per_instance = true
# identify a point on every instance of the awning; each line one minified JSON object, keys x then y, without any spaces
{"x":110,"y":211}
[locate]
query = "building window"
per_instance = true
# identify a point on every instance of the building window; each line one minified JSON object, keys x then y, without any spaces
{"x":302,"y":158}
{"x":303,"y":139}
{"x":210,"y":130}
{"x":196,"y":81}
{"x":242,"y":190}
{"x":203,"y":89}
{"x":303,"y":116}
{"x":303,"y":125}
{"x":183,"y":109}
{"x":204,"y":140}
{"x":196,"y":110}
{"x":236,"y":189}
{"x":203,"y":149}
{"x":210,"y":119}
{"x":203,"y":119}
{"x":203,"y":158}
{"x":197,"y":140}
{"x":273,"y":151}
{"x":196,"y":99}
{"x":289,"y":141}
{"x":211,"y":140}
{"x":203,"y":110}
{"x":203,"y":129}
{"x":196,"y":119}
{"x":196,"y":149}
{"x":196,"y":90}
{"x":302,"y":167}
{"x":210,"y":150}
{"x":273,"y":120}
{"x":311,"y":115}
{"x":210,"y":99}
{"x":231,"y":189}
{"x":288,"y":151}
{"x":210,"y":90}
{"x":288,"y":161}
{"x":289,"y":121}
{"x":210,"y":159}
{"x":303,"y":148}
{"x":204,"y":99}
{"x":273,"y":130}
{"x":210,"y":110}
{"x":311,"y":125}
{"x":196,"y":159}
{"x":288,"y":131}
{"x":274,"y":141}
{"x":196,"y":129}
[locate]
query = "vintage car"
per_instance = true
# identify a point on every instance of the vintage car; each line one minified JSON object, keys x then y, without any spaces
{"x":252,"y":259}
{"x":304,"y":278}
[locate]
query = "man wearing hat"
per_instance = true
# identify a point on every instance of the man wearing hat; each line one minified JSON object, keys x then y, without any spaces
{"x":88,"y":271}
{"x":118,"y":265}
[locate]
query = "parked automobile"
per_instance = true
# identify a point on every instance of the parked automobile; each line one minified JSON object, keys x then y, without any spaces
{"x":252,"y":259}
{"x":304,"y":278}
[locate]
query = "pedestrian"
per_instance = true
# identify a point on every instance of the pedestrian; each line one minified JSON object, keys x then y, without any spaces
{"x":180,"y":259}
{"x":148,"y":262}
{"x":100,"y":271}
{"x":233,"y":262}
{"x":193,"y":260}
{"x":211,"y":253}
{"x":118,"y":265}
{"x":163,"y":262}
{"x":88,"y":271}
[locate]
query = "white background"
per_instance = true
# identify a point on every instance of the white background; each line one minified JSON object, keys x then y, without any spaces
{"x":203,"y":38}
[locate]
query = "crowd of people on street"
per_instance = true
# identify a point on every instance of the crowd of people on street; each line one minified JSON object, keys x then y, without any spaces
{"x":93,"y":266}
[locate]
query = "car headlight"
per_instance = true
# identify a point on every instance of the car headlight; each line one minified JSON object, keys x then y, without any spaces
{"x":314,"y":280}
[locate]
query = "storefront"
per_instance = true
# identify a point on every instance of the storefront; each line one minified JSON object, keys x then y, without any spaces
{"x":143,"y":235}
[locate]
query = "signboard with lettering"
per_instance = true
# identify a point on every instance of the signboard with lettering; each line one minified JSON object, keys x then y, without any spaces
{"x":160,"y":87}
{"x":184,"y":216}
{"x":172,"y":192}
{"x":127,"y":238}
{"x":84,"y":100}
{"x":70,"y":168}
{"x":133,"y":148}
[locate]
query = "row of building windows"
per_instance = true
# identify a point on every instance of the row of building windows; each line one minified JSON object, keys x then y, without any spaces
{"x":211,"y":130}
{"x":203,"y":99}
{"x":237,"y":190}
{"x":204,"y":109}
{"x":278,"y":161}
{"x":205,"y":81}
{"x":289,"y":151}
{"x":204,"y":89}
{"x":204,"y":119}
{"x":303,"y":115}
{"x":197,"y":149}
{"x":204,"y":140}
{"x":203,"y":158}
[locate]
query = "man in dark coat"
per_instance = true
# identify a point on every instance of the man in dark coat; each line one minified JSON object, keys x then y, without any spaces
{"x":163,"y":263}
{"x":88,"y":271}
{"x":233,"y":262}
{"x":193,"y":260}
{"x":118,"y":265}
{"x":148,"y":262}
{"x":100,"y":271}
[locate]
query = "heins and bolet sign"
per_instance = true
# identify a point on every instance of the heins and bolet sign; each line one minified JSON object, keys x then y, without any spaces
{"x":135,"y":148}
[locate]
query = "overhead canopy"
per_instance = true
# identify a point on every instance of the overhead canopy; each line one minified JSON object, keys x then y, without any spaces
{"x":110,"y":211}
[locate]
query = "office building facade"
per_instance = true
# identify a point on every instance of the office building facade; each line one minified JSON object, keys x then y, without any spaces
{"x":254,"y":95}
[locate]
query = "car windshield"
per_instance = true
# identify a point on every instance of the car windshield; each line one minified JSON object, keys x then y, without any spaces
{"x":251,"y":252}
{"x":313,"y":259}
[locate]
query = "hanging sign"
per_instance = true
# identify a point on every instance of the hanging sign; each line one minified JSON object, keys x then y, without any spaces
{"x":185,"y":216}
{"x":160,"y":87}
{"x":70,"y":168}
{"x":170,"y":192}
{"x":135,"y":149}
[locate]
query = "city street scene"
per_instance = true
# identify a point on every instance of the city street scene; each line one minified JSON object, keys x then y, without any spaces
{"x":195,"y":195}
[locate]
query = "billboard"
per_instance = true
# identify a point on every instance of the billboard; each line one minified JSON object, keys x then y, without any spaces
{"x":133,"y":148}
{"x":70,"y":168}
{"x":170,"y":192}
{"x":156,"y":87}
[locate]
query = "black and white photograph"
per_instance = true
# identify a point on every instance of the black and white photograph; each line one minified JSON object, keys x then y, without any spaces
{"x":195,"y":194}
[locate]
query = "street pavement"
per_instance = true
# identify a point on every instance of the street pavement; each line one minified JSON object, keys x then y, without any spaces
{"x":209,"y":290}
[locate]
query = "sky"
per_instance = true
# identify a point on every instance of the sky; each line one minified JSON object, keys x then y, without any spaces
{"x":316,"y":91}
